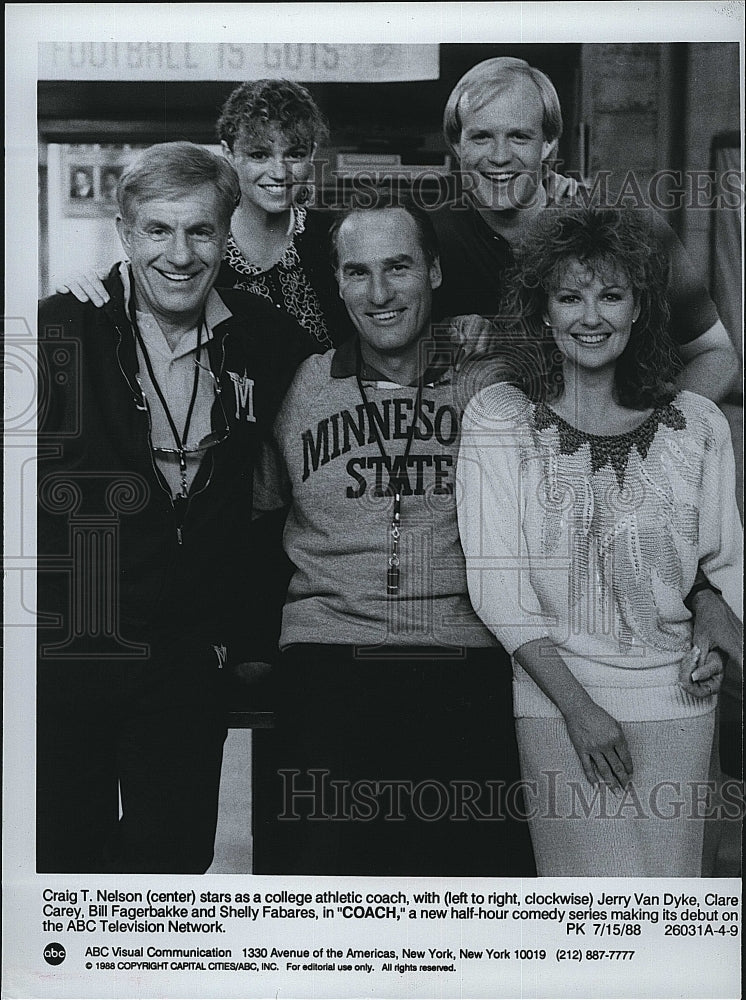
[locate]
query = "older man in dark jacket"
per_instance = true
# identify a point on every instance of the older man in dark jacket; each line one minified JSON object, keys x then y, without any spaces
{"x":151,"y":411}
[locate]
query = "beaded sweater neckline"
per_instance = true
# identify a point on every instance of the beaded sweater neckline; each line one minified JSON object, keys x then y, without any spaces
{"x":611,"y":449}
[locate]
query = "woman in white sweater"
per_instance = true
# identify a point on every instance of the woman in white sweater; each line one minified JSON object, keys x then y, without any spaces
{"x":590,"y":496}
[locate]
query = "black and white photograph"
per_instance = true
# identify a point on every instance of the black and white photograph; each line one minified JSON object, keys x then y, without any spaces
{"x":374,"y":501}
{"x":91,"y":173}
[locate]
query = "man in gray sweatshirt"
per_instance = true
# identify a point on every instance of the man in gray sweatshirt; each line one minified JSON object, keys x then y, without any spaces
{"x":394,"y":752}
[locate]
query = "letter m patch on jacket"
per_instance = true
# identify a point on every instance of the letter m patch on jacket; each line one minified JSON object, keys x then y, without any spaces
{"x":243,"y":387}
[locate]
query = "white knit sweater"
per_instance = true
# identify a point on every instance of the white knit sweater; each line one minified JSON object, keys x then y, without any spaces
{"x":593,"y":542}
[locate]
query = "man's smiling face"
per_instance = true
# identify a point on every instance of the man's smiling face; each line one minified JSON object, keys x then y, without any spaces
{"x":175,"y":246}
{"x":386,"y":281}
{"x":502,"y":148}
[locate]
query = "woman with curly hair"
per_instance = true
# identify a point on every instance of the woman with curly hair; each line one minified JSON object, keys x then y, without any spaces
{"x":590,"y":493}
{"x":278,"y":249}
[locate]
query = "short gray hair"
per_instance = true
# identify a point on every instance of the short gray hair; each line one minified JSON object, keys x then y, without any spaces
{"x":170,"y":169}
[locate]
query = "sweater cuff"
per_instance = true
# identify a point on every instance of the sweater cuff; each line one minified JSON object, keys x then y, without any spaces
{"x":516,"y":636}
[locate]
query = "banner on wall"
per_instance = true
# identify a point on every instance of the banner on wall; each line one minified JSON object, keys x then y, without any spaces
{"x":307,"y":61}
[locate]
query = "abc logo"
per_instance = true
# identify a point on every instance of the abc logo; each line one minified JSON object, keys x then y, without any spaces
{"x":54,"y":954}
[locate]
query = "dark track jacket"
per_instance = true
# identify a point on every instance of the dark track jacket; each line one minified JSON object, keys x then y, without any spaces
{"x":112,"y":563}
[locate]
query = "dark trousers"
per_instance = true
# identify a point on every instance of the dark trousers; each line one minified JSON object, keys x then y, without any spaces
{"x":151,"y":731}
{"x":398,"y":765}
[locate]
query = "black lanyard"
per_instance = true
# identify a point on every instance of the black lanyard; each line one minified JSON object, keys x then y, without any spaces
{"x":179,"y":439}
{"x":392,"y":574}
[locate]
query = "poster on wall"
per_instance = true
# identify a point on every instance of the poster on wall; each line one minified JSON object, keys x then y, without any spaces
{"x":464,"y":872}
{"x":90,"y":175}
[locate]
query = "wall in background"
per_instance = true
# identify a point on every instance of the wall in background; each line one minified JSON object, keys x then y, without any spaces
{"x":713,"y":106}
{"x":649,"y":107}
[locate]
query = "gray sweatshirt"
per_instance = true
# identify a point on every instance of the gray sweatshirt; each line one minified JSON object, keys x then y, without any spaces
{"x":331,"y":469}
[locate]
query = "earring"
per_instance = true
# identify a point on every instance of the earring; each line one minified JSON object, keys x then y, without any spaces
{"x":302,"y":195}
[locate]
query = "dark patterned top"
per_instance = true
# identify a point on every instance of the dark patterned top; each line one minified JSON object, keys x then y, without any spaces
{"x":285,"y":283}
